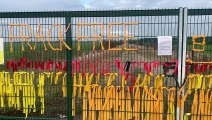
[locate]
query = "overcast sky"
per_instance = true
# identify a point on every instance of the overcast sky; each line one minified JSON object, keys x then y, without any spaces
{"x":40,"y":5}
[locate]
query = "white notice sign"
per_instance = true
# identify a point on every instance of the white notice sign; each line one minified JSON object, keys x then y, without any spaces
{"x":1,"y":51}
{"x":164,"y":45}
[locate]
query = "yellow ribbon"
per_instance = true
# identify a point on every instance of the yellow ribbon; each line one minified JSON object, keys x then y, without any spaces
{"x":116,"y":102}
{"x":74,"y":85}
{"x":143,"y":102}
{"x":57,"y":75}
{"x":206,"y":106}
{"x":158,"y":82}
{"x":137,"y":102}
{"x":91,"y":101}
{"x":128,"y":106}
{"x":74,"y":94}
{"x":194,"y":106}
{"x":85,"y":109}
{"x":137,"y":82}
{"x":146,"y":80}
{"x":161,"y":104}
{"x":201,"y":105}
{"x":17,"y":88}
{"x":2,"y":91}
{"x":122,"y":103}
{"x":123,"y":81}
{"x":9,"y":89}
{"x":111,"y":78}
{"x":97,"y":78}
{"x":41,"y":91}
{"x":209,"y":106}
{"x":64,"y":85}
{"x":108,"y":103}
{"x":81,"y":85}
{"x":186,"y":116}
{"x":171,"y":106}
{"x":148,"y":108}
{"x":182,"y":101}
{"x":98,"y":98}
{"x":88,"y":81}
{"x":199,"y":81}
{"x":201,"y":110}
{"x":29,"y":96}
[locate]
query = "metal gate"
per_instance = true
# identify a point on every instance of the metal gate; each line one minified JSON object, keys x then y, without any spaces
{"x":100,"y":64}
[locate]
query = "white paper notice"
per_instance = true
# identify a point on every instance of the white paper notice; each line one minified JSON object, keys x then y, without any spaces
{"x":164,"y":45}
{"x":1,"y":51}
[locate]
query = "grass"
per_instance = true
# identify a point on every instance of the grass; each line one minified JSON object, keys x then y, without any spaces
{"x":41,"y":54}
{"x":200,"y":56}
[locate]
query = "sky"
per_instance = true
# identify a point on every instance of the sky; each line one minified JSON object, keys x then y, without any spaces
{"x":61,"y":5}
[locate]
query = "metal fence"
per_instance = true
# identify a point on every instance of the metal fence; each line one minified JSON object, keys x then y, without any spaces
{"x":36,"y":98}
{"x":101,"y":64}
{"x":141,"y":29}
{"x":197,"y":53}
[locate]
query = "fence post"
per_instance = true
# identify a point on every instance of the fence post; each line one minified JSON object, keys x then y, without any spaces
{"x":179,"y":77}
{"x":69,"y":69}
{"x":185,"y":16}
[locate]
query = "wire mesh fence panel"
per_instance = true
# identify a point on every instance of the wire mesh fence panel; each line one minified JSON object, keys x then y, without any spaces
{"x":31,"y":80}
{"x":197,"y":90}
{"x":89,"y":65}
{"x":118,"y":72}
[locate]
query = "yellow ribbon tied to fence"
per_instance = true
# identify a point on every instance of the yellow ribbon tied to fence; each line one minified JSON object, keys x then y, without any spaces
{"x":158,"y":82}
{"x":137,"y":81}
{"x":64,"y":85}
{"x":116,"y":102}
{"x":74,"y":94}
{"x":186,"y":116}
{"x":9,"y":89}
{"x":17,"y":86}
{"x":89,"y":80}
{"x":2,"y":89}
{"x":111,"y":78}
{"x":137,"y":102}
{"x":91,"y":101}
{"x":171,"y":108}
{"x":41,"y":91}
{"x":128,"y":106}
{"x":84,"y":106}
{"x":194,"y":106}
{"x":122,"y":103}
{"x":201,"y":106}
{"x":80,"y":85}
{"x":107,"y":104}
{"x":29,"y":95}
{"x":99,"y":101}
{"x":146,"y":80}
{"x":57,"y":75}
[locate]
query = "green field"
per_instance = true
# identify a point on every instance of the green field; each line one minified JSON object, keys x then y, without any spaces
{"x":40,"y":53}
{"x":206,"y":54}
